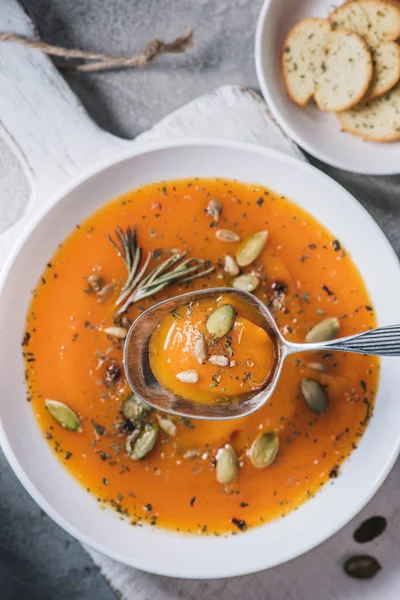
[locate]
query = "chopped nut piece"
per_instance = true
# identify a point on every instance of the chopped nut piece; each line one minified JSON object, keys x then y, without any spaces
{"x":219,"y":360}
{"x":190,"y":376}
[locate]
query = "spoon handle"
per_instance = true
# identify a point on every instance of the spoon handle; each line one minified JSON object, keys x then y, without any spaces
{"x":383,"y":341}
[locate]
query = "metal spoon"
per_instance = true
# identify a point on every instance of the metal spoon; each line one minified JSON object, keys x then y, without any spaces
{"x":384,"y":341}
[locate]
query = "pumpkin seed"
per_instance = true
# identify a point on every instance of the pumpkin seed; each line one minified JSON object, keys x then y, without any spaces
{"x":231,"y":265}
{"x":64,"y":415}
{"x":251,"y":248}
{"x":167,"y":425}
{"x":362,"y":566}
{"x":227,"y":465}
{"x":135,"y":409}
{"x":95,"y":282}
{"x":218,"y":360}
{"x":117,"y":332}
{"x":200,"y":350}
{"x":133,"y":436}
{"x":190,"y":376}
{"x":314,"y":396}
{"x":145,"y":442}
{"x":214,"y":209}
{"x":247,"y":282}
{"x":226,"y":235}
{"x":264,"y":449}
{"x":323,"y":331}
{"x":370,"y":529}
{"x":221,"y":320}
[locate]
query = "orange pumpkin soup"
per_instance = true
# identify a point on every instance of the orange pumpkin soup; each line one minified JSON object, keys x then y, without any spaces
{"x":229,"y":363}
{"x":188,"y":475}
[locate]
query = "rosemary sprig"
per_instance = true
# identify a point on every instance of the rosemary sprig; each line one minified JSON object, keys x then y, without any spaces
{"x":140,"y":284}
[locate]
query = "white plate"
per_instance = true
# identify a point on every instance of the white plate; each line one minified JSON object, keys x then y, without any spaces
{"x":63,"y":498}
{"x":316,"y":131}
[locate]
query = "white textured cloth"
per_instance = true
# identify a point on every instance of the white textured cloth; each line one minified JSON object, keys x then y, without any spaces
{"x":318,"y":575}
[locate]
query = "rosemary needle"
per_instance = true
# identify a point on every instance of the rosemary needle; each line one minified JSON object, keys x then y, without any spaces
{"x":140,"y":284}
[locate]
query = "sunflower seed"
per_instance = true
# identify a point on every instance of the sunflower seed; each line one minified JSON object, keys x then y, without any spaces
{"x":145,"y":442}
{"x":200,"y":350}
{"x":264,"y":449}
{"x":221,"y":320}
{"x":247,"y":283}
{"x":192,"y":453}
{"x":95,"y":282}
{"x":64,"y":415}
{"x":323,"y":331}
{"x":214,"y":209}
{"x":317,"y":366}
{"x":226,"y":235}
{"x":117,"y":332}
{"x":167,"y":425}
{"x":362,"y":566}
{"x":231,"y":266}
{"x":251,"y":248}
{"x":190,"y":376}
{"x":314,"y":396}
{"x":218,"y":360}
{"x":106,"y":291}
{"x":227,"y":465}
{"x":135,"y":409}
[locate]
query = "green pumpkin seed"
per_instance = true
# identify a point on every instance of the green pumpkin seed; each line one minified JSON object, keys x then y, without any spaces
{"x":64,"y":415}
{"x":323,"y":331}
{"x":145,"y":442}
{"x":362,"y":566}
{"x":167,"y":425}
{"x":314,"y":396}
{"x":247,"y":282}
{"x":221,"y":321}
{"x":135,"y":409}
{"x":133,"y":436}
{"x":251,"y":248}
{"x":264,"y":449}
{"x":227,"y":465}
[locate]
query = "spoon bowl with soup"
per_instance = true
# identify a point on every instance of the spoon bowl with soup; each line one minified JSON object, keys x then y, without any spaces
{"x":218,"y":354}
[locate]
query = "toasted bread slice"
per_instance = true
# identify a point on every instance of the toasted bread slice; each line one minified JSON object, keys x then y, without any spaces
{"x":334,"y":67}
{"x":378,"y":22}
{"x":302,"y":58}
{"x":377,"y":120}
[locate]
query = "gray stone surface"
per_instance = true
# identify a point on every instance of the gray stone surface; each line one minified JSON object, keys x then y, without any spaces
{"x":37,"y":559}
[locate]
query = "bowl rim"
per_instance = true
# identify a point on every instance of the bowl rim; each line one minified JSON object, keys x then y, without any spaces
{"x":281,"y":121}
{"x":6,"y":445}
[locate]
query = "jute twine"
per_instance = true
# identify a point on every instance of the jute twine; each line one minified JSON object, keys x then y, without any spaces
{"x":148,"y":54}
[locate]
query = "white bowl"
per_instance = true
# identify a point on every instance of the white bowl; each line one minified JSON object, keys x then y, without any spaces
{"x":315,"y":131}
{"x":64,"y":499}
